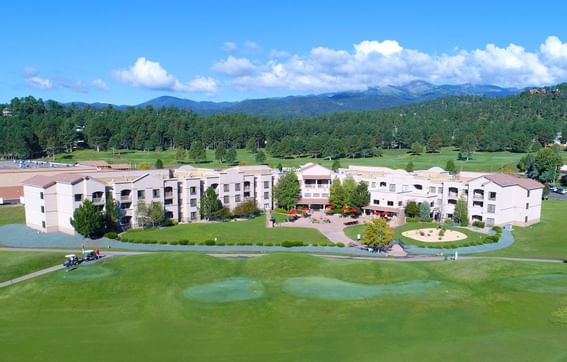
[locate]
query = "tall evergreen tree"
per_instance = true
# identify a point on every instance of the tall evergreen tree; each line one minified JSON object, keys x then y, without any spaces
{"x":211,"y":206}
{"x":87,"y":220}
{"x":287,"y":191}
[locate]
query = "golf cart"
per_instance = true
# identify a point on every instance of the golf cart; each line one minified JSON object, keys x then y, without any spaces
{"x":71,"y":260}
{"x":90,"y":255}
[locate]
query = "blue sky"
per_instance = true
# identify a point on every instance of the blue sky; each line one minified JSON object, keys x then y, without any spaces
{"x":128,"y":52}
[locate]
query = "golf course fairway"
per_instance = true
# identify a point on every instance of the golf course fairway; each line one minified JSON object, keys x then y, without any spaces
{"x":287,"y":307}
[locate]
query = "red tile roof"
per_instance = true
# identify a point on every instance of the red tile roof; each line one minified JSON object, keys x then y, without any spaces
{"x":11,"y":192}
{"x":505,"y":180}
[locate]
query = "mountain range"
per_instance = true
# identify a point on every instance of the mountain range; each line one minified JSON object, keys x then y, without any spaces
{"x":312,"y":105}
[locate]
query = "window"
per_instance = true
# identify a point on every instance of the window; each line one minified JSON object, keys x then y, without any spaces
{"x":266,"y":195}
{"x":307,"y":194}
{"x":491,"y":209}
{"x":237,"y":187}
{"x":431,"y":203}
{"x":526,"y":219}
{"x":376,"y":202}
{"x":392,"y":187}
{"x":266,"y":206}
{"x":226,"y":187}
{"x":492,"y":196}
{"x":439,"y":190}
{"x":78,"y":197}
{"x":43,"y":209}
{"x":324,"y":194}
{"x":527,"y":205}
{"x":193,"y":202}
{"x":266,"y":184}
{"x":193,"y":190}
{"x":43,"y":224}
{"x":237,"y":198}
{"x":141,"y":194}
{"x":399,"y":203}
{"x":193,"y":215}
{"x":418,"y":187}
{"x":41,"y":195}
{"x":382,"y":184}
{"x":226,"y":200}
{"x":390,"y":203}
{"x":432,"y":189}
{"x":374,"y":185}
{"x":528,"y":193}
{"x":489,"y":222}
{"x":155,"y":193}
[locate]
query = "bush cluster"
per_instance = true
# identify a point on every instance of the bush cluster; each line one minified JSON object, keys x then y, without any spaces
{"x":478,"y":224}
{"x":292,"y":243}
{"x":412,"y":219}
{"x":111,"y":235}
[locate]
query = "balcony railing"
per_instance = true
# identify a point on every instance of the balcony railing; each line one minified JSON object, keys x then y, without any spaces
{"x":453,"y":194}
{"x":246,"y":188}
{"x":168,"y":195}
{"x":97,"y":200}
{"x":478,"y":197}
{"x":125,"y":197}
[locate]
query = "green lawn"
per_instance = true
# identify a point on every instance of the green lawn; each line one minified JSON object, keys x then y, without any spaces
{"x":547,"y":239}
{"x":287,"y":307}
{"x":228,"y":232}
{"x":12,"y":215}
{"x":472,"y":237}
{"x":15,"y":264}
{"x":482,"y":161}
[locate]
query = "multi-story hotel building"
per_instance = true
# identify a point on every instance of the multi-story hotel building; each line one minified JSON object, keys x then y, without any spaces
{"x":495,"y":199}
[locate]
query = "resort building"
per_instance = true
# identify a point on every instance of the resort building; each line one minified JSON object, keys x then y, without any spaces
{"x":51,"y":200}
{"x":495,"y":199}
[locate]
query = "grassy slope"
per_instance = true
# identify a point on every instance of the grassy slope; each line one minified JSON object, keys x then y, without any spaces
{"x":15,"y":264}
{"x":131,"y":308}
{"x":485,"y":161}
{"x":12,"y":215}
{"x":229,"y":232}
{"x":547,"y":239}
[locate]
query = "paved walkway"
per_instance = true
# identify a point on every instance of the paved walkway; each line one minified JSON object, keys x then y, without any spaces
{"x":31,"y":275}
{"x":333,"y":230}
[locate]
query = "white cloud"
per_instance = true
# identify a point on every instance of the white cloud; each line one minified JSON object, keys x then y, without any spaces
{"x":39,"y":83}
{"x":279,"y":54}
{"x":30,"y":71}
{"x":229,"y":46}
{"x":100,"y":84}
{"x":251,"y":46}
{"x":234,"y":66}
{"x":371,"y":63}
{"x":149,"y":74}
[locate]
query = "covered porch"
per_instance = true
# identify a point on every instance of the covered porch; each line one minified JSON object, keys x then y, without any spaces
{"x":313,"y":203}
{"x":382,"y":211}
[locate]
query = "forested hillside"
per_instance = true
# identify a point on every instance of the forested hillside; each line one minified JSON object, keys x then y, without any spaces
{"x":34,"y":128}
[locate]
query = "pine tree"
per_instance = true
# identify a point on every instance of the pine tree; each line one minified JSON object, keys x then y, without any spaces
{"x":231,"y":155}
{"x":87,"y":220}
{"x":260,"y":157}
{"x":159,"y":164}
{"x":424,"y":212}
{"x":337,"y":196}
{"x":220,"y":153}
{"x":286,"y":191}
{"x":451,"y":167}
{"x":336,"y":165}
{"x":410,"y":167}
{"x":211,"y":206}
{"x":251,"y":146}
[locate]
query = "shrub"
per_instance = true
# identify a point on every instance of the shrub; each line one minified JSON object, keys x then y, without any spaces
{"x":174,"y":242}
{"x":331,"y":244}
{"x":259,"y":243}
{"x":277,"y":243}
{"x":111,"y":235}
{"x":412,"y":219}
{"x":498,"y":229}
{"x":448,"y":221}
{"x":292,"y":243}
{"x":220,"y":243}
{"x":241,"y":243}
{"x":442,"y":232}
{"x":202,"y":243}
{"x":210,"y":242}
{"x":314,"y":244}
{"x":183,"y":242}
{"x":268,"y":244}
{"x":478,"y":224}
{"x":146,"y":242}
{"x":340,"y":245}
{"x":191,"y":243}
{"x":163,"y":242}
{"x":281,"y":210}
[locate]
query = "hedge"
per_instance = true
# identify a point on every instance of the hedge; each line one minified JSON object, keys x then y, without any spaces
{"x":111,"y":235}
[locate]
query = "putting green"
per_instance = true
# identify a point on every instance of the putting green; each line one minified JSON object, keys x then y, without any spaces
{"x":335,"y":289}
{"x":539,"y":283}
{"x":225,"y":291}
{"x":87,"y":272}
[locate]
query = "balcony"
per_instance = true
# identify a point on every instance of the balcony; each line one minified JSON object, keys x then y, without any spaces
{"x":453,"y":195}
{"x":98,"y":200}
{"x":168,"y":195}
{"x":125,"y":198}
{"x":478,"y":197}
{"x":246,"y":188}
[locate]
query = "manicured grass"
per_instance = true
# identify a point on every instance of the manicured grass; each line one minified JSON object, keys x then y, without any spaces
{"x":473,"y":238}
{"x":192,"y":307}
{"x":15,"y":264}
{"x":228,"y":232}
{"x":482,"y":161}
{"x":12,"y":215}
{"x":547,"y":239}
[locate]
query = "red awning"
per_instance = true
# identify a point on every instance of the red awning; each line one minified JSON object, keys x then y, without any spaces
{"x":292,"y":212}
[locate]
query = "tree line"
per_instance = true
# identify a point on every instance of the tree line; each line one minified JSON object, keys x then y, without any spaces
{"x":517,"y":123}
